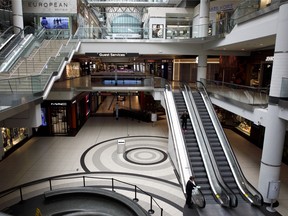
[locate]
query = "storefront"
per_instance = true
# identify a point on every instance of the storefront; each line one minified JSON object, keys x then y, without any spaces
{"x":12,"y":138}
{"x":64,"y":117}
{"x":244,"y":127}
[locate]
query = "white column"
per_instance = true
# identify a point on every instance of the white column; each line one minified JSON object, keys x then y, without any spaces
{"x":204,"y":18}
{"x":17,"y":11}
{"x":202,"y":67}
{"x":275,"y":130}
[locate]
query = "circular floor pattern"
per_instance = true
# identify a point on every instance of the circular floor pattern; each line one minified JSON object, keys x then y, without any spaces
{"x":145,"y":156}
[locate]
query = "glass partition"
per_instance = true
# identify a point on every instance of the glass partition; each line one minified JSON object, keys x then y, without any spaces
{"x":240,"y":93}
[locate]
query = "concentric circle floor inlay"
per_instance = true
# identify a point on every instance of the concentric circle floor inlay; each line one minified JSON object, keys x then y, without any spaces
{"x":145,"y":156}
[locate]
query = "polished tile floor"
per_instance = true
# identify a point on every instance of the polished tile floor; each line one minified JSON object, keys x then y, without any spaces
{"x":95,"y":149}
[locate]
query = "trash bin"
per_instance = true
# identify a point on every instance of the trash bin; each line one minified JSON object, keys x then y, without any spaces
{"x":121,"y":146}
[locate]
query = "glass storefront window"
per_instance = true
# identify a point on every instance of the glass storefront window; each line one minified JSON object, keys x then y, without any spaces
{"x":12,"y":136}
{"x":59,"y":120}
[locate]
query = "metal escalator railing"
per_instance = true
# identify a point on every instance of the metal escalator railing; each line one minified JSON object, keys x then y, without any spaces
{"x":179,"y":159}
{"x":212,"y":144}
{"x":247,"y":191}
{"x":12,"y":37}
{"x":28,"y":43}
{"x":194,"y":155}
{"x":220,"y":191}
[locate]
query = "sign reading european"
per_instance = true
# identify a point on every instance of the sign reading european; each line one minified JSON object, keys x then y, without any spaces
{"x":50,"y":6}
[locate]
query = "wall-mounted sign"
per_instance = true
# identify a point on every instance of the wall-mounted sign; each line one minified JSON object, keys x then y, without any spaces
{"x":269,"y":58}
{"x":50,"y":6}
{"x":58,"y":104}
{"x":113,"y":54}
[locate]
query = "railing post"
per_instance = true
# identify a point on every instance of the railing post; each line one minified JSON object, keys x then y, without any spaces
{"x":151,"y":211}
{"x":21,"y":194}
{"x":161,"y":212}
{"x":113,"y":184}
{"x":135,"y":198}
{"x":50,"y":184}
{"x":84,"y":181}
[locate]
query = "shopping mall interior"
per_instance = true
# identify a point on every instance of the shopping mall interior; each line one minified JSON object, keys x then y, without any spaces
{"x":92,"y":100}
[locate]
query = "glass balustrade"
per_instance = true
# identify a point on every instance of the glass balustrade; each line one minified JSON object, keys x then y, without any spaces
{"x":243,"y":94}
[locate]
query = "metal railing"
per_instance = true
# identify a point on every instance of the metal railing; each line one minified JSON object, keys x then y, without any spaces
{"x":248,"y":191}
{"x":32,"y":74}
{"x":23,"y":192}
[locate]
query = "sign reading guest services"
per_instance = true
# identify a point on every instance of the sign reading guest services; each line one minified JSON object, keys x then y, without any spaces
{"x":50,"y":6}
{"x":113,"y":54}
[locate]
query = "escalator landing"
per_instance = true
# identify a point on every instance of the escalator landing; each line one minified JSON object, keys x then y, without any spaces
{"x":242,"y":209}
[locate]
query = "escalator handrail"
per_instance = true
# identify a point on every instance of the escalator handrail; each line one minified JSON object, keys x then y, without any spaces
{"x":246,"y":188}
{"x":178,"y":141}
{"x":216,"y":181}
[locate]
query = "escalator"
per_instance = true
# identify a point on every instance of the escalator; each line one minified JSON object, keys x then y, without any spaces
{"x":193,"y":152}
{"x":218,"y":152}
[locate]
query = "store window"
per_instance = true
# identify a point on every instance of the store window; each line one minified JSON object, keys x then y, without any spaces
{"x":13,"y":136}
{"x":59,"y":120}
{"x":126,"y":26}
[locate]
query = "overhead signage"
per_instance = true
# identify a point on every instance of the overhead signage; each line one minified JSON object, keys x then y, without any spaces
{"x":58,"y":104}
{"x":113,"y":54}
{"x":269,"y":58}
{"x":50,"y":6}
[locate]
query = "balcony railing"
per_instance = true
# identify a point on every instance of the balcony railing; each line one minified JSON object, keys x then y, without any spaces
{"x":26,"y":191}
{"x":175,"y":32}
{"x":240,"y":93}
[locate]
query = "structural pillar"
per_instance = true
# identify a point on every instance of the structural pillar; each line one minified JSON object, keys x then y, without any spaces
{"x":276,"y":128}
{"x":17,"y":11}
{"x":202,"y":68}
{"x":204,"y":18}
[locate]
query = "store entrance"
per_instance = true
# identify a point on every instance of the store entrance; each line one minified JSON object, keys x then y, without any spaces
{"x":110,"y":102}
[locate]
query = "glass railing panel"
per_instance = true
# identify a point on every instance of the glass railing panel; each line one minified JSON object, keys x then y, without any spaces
{"x":165,"y":33}
{"x":248,"y":191}
{"x":248,"y":9}
{"x":284,"y":88}
{"x":243,"y":94}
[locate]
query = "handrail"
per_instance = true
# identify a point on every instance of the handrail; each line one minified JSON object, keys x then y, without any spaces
{"x":12,"y":44}
{"x":83,"y":176}
{"x":216,"y":29}
{"x":183,"y":164}
{"x":220,"y":190}
{"x":246,"y":188}
{"x":243,"y":93}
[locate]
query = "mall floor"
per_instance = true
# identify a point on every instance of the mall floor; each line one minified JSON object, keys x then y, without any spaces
{"x":146,"y":165}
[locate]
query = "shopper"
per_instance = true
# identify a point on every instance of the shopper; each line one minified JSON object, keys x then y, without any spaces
{"x":117,"y":110}
{"x":189,"y":187}
{"x":184,"y":118}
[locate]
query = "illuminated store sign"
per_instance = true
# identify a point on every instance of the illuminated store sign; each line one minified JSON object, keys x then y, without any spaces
{"x":58,"y":104}
{"x":269,"y":58}
{"x":50,"y":6}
